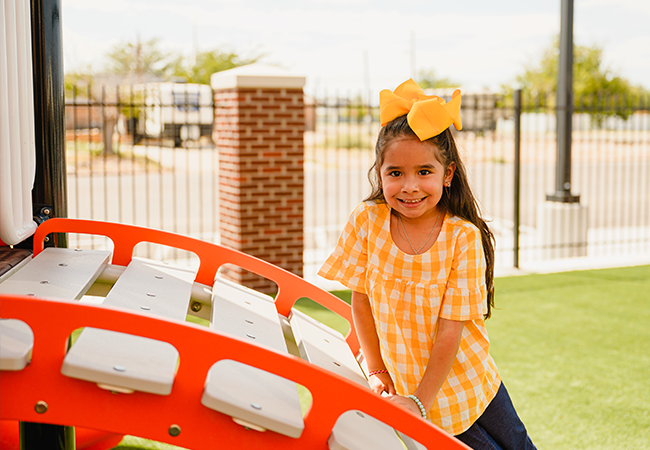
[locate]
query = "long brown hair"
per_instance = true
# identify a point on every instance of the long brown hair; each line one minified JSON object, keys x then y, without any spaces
{"x":458,"y":199}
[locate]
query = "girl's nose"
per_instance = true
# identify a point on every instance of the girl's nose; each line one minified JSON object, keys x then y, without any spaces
{"x":410,"y":184}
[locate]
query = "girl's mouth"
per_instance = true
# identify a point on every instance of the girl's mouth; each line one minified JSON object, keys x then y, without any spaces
{"x":414,"y":201}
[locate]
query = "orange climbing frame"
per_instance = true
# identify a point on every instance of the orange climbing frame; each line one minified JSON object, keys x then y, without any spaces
{"x":80,"y":403}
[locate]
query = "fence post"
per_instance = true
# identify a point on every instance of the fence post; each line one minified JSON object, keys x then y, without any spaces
{"x":259,"y":132}
{"x":517,"y":176}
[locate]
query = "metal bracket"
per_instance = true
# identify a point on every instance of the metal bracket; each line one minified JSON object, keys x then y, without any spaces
{"x":42,"y":213}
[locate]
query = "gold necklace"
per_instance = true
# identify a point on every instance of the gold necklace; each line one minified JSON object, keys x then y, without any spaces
{"x":399,"y":216}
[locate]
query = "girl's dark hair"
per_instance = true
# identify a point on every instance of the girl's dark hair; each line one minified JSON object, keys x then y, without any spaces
{"x":460,"y":202}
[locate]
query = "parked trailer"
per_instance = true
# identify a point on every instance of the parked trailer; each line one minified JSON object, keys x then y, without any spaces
{"x":178,"y":111}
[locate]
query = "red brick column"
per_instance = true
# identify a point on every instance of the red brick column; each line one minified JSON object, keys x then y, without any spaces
{"x":259,"y":127}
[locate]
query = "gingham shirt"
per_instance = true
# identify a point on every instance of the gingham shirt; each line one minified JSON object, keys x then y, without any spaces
{"x":408,"y":293}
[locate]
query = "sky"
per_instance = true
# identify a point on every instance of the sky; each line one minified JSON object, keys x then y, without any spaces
{"x":347,"y":47}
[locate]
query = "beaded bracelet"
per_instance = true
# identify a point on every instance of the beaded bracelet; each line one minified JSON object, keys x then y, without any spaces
{"x":375,"y":372}
{"x":419,"y":403}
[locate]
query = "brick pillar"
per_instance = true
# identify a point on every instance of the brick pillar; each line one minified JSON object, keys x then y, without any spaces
{"x":259,"y":127}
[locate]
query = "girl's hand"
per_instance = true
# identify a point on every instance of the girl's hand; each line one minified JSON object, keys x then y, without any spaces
{"x":380,"y":383}
{"x":407,"y":403}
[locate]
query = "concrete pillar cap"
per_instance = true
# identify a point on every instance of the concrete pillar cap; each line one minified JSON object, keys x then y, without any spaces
{"x":257,"y":76}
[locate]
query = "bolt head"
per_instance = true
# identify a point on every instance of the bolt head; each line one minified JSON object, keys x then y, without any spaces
{"x":40,"y":407}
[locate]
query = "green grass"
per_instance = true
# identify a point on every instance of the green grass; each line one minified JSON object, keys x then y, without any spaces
{"x":324,"y":315}
{"x":574,"y":351}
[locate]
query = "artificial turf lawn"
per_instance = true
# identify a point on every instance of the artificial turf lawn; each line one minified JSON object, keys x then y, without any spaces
{"x":573,"y":351}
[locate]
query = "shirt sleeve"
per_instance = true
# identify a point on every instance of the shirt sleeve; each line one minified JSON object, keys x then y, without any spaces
{"x":466,"y":296}
{"x":347,"y":263}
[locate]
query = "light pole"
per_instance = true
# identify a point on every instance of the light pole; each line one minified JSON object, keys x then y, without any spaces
{"x":564,"y":108}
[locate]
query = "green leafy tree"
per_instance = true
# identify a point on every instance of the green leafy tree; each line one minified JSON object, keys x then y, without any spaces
{"x":597,"y":89}
{"x":140,"y":58}
{"x":148,"y":59}
{"x":427,"y":79}
{"x":139,"y":62}
{"x":78,"y":83}
{"x":208,"y":62}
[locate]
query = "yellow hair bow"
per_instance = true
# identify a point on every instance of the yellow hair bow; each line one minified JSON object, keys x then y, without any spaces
{"x":427,"y":115}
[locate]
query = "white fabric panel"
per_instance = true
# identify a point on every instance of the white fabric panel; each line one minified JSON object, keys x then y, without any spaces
{"x":17,"y":151}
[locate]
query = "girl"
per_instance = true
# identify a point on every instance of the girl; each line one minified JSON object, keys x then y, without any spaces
{"x":419,"y":260}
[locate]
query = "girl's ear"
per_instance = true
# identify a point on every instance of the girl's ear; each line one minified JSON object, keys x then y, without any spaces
{"x":449,"y":173}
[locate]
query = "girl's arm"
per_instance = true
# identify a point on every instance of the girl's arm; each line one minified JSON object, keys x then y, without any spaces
{"x":364,"y":324}
{"x":443,"y":354}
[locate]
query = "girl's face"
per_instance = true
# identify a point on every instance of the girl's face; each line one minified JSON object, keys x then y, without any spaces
{"x":413,"y":179}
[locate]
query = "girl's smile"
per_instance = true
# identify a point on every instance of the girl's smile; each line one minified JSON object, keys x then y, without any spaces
{"x":413,"y":179}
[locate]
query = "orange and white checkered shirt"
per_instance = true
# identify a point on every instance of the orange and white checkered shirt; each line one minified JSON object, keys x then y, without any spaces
{"x":408,"y":293}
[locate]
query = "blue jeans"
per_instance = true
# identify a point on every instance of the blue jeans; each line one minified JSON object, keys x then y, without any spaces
{"x":498,"y":428}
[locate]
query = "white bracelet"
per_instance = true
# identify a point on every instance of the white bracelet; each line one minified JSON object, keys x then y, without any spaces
{"x":419,"y":403}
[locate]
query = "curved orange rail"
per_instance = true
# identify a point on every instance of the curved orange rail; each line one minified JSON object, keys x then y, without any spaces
{"x":80,"y":403}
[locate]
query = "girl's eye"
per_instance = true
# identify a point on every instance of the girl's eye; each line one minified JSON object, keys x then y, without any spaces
{"x":425,"y":172}
{"x":395,"y":173}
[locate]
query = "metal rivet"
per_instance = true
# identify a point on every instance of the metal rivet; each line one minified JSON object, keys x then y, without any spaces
{"x":196,"y":306}
{"x":119,"y":368}
{"x":63,"y":265}
{"x":40,"y":407}
{"x":46,"y":211}
{"x":158,"y":277}
{"x":360,"y":415}
{"x":149,"y":294}
{"x":256,"y":406}
{"x":336,"y":364}
{"x":45,"y":282}
{"x":46,"y":239}
{"x":250,"y":336}
{"x":146,"y":308}
{"x":248,"y":321}
{"x":174,"y":430}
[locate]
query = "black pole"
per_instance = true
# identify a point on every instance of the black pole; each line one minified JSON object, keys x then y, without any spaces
{"x":50,"y":191}
{"x":517,"y":176}
{"x":49,"y":194}
{"x":564,"y":109}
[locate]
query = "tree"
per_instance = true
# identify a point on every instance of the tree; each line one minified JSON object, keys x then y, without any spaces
{"x":595,"y":86}
{"x":140,"y":58}
{"x":146,"y":59}
{"x":208,"y":62}
{"x":78,"y":83}
{"x":427,"y":79}
{"x":140,"y":62}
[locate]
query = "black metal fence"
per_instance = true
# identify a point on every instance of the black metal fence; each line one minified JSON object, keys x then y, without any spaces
{"x":143,"y":155}
{"x":510,"y":153}
{"x":138,"y":155}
